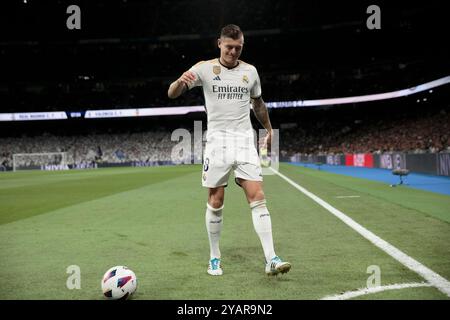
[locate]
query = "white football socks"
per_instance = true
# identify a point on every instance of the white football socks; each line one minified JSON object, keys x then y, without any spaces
{"x":263,"y":227}
{"x":214,"y":224}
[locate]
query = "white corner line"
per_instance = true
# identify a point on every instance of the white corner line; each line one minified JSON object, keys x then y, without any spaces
{"x":364,"y":291}
{"x":429,"y":275}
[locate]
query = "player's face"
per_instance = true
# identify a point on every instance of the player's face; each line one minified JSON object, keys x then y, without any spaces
{"x":230,"y":50}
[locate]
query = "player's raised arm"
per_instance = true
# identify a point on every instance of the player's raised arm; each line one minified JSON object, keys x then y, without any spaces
{"x":181,"y":85}
{"x":261,"y":113}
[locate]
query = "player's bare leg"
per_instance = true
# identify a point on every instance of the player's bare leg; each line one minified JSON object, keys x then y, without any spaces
{"x":214,"y":224}
{"x":216,"y":196}
{"x":263,"y":225}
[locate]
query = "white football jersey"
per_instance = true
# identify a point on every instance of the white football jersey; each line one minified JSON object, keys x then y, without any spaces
{"x":227,"y":93}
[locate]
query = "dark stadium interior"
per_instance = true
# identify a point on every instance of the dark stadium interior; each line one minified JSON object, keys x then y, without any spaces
{"x":111,"y":190}
{"x":128,"y":52}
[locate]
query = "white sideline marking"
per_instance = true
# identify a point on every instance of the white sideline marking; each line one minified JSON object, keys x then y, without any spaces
{"x":432,"y":277}
{"x":364,"y":291}
{"x":342,"y":197}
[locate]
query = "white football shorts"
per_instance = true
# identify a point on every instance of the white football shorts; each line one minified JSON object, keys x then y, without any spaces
{"x":219,"y":160}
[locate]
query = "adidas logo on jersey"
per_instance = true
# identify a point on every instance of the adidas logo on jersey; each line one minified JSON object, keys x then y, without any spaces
{"x":216,"y":78}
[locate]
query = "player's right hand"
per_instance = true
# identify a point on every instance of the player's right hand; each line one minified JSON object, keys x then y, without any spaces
{"x":187,"y":78}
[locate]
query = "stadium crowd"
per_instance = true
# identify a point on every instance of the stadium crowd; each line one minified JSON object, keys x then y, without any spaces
{"x":326,"y":134}
{"x":420,"y":134}
{"x":87,"y":149}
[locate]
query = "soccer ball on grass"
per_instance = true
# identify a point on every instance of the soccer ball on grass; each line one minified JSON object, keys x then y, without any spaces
{"x":119,"y":282}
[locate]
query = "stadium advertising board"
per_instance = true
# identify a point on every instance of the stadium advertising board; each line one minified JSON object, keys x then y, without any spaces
{"x":29,"y":116}
{"x":444,"y":164}
{"x":359,"y":160}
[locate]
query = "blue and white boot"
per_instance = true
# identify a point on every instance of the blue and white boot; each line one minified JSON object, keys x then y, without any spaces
{"x":214,"y":267}
{"x":276,"y":265}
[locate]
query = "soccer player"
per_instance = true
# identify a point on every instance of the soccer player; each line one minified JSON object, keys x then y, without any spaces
{"x":229,"y":86}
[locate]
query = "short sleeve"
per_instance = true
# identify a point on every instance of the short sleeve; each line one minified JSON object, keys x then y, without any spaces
{"x":255,"y":91}
{"x":197,"y":72}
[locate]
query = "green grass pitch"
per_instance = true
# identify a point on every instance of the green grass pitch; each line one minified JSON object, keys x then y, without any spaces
{"x":152,"y":220}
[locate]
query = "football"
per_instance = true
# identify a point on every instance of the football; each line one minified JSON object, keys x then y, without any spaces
{"x":264,"y":157}
{"x":119,"y":282}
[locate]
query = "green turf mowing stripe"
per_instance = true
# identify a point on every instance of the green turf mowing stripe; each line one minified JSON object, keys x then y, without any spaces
{"x":50,"y":191}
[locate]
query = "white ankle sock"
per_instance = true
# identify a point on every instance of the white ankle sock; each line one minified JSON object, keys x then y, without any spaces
{"x":214,"y":224}
{"x":263,"y":227}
